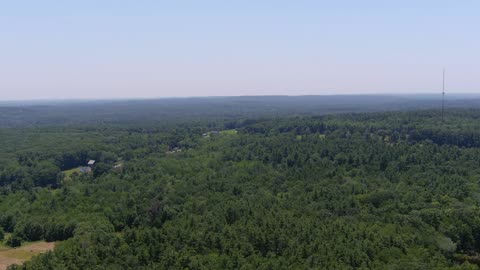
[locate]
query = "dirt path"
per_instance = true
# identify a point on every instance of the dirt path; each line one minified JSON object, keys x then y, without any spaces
{"x":9,"y":256}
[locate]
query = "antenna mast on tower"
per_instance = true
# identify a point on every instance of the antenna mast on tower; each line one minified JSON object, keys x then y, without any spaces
{"x":443,"y":95}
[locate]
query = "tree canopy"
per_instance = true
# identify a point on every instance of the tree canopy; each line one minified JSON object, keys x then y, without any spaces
{"x":391,"y":190}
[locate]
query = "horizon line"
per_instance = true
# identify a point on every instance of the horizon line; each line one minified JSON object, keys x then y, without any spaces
{"x":227,"y":96}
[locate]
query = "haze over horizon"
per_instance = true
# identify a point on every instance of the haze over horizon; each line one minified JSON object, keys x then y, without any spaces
{"x":121,"y":49}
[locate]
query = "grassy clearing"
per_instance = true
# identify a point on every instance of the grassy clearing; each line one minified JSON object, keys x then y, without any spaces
{"x":221,"y":132}
{"x":9,"y":256}
{"x":69,"y":173}
{"x":229,"y":132}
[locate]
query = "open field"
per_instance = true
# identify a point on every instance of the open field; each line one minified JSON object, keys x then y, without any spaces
{"x":229,"y":132}
{"x":69,"y":173}
{"x":9,"y":256}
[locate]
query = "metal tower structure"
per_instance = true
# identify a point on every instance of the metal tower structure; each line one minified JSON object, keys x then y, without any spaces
{"x":443,"y":96}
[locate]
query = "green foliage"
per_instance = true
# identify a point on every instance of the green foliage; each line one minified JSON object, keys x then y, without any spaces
{"x":14,"y":241}
{"x":353,"y":191}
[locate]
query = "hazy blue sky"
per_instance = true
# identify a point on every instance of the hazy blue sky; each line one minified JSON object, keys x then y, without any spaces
{"x":115,"y":49}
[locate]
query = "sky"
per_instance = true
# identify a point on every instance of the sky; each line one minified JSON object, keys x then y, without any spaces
{"x":92,"y":49}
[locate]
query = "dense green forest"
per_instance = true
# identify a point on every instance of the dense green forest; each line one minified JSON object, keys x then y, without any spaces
{"x":175,"y":111}
{"x":389,"y":190}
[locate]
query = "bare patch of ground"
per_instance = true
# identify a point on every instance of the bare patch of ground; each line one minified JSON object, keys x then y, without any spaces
{"x":9,"y":256}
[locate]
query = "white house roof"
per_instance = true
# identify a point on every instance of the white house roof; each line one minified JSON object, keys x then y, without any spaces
{"x":91,"y":162}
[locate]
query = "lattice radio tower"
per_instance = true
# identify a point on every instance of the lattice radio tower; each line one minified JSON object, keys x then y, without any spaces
{"x":443,"y":96}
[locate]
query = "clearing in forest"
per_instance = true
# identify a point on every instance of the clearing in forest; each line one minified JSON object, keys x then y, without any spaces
{"x":9,"y":256}
{"x":229,"y":132}
{"x":68,"y":173}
